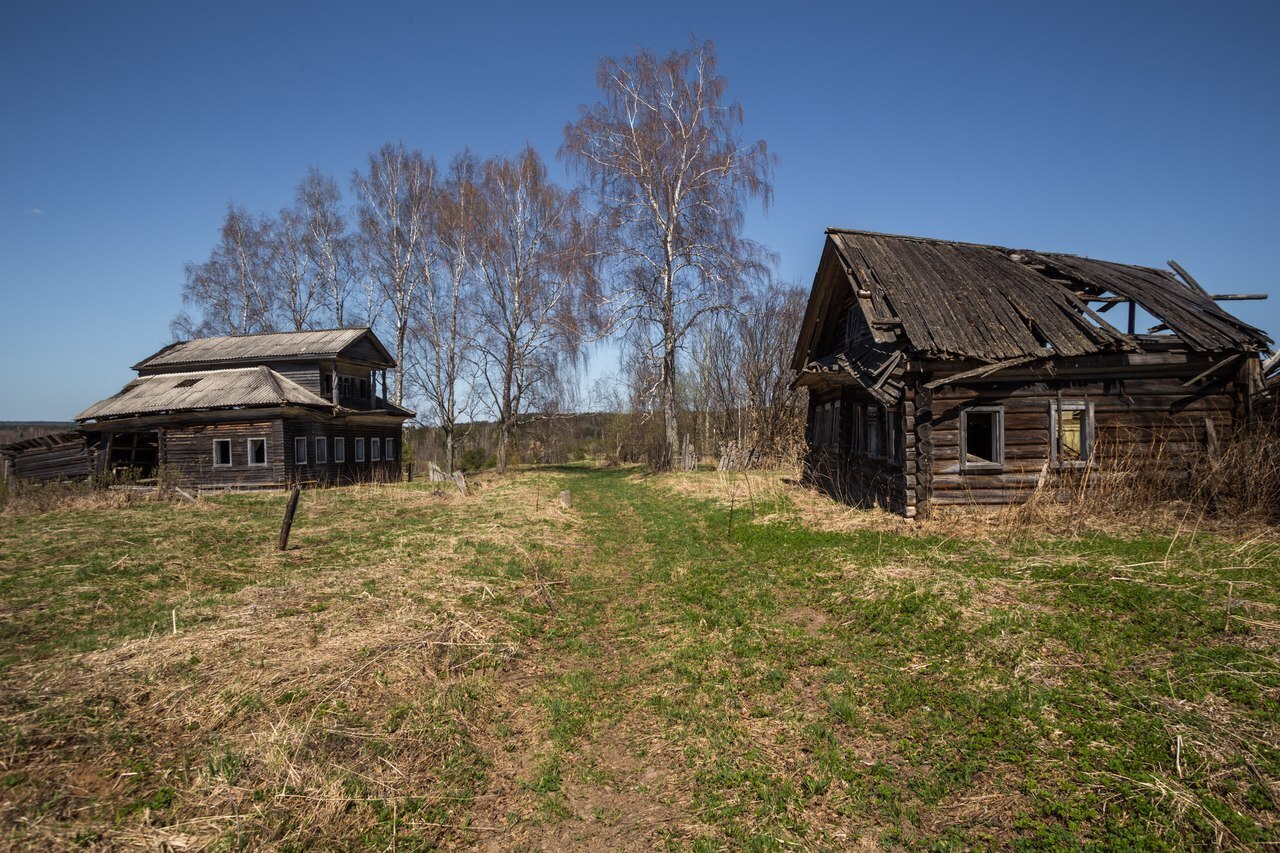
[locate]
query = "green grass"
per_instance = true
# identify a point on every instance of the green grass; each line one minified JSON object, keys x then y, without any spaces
{"x":657,"y":666}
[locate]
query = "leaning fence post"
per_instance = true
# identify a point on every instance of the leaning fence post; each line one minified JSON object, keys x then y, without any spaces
{"x":289,"y":510}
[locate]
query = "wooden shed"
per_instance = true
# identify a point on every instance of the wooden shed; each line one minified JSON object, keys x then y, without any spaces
{"x":952,"y":373}
{"x":255,"y":410}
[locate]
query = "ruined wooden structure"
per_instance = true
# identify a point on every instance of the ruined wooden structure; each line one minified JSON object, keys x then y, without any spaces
{"x":248,"y":411}
{"x":944,"y":373}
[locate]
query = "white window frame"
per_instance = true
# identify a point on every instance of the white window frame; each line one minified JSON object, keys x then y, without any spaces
{"x":359,"y":449}
{"x":339,"y":449}
{"x":1087,"y":433}
{"x":266,"y":457}
{"x":375,"y":449}
{"x":389,"y":449}
{"x":995,"y":465}
{"x":230,"y":460}
{"x":300,"y":444}
{"x":322,"y":450}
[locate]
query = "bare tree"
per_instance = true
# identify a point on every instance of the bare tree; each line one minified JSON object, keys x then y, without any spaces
{"x":445,"y":326}
{"x":394,"y":200}
{"x":231,"y":292}
{"x":531,"y":259}
{"x":290,"y":270}
{"x":329,"y":246}
{"x":671,"y":177}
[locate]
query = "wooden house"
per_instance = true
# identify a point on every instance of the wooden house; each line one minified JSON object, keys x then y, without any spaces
{"x":953,"y":373}
{"x":254,"y":410}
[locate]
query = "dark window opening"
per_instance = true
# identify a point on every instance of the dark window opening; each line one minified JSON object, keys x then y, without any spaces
{"x":326,"y":384}
{"x":187,"y":383}
{"x":257,"y":451}
{"x":982,"y":438}
{"x":364,"y":389}
{"x":222,"y":451}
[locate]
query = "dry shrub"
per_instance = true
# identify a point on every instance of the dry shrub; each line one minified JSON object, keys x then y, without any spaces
{"x":35,"y":499}
{"x":1161,"y":481}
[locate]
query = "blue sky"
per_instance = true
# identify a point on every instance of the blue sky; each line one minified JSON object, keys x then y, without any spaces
{"x":1124,"y":131}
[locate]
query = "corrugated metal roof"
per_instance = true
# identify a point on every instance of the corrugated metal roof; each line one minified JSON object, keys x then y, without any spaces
{"x":966,"y":300}
{"x":325,"y":343}
{"x":203,"y":390}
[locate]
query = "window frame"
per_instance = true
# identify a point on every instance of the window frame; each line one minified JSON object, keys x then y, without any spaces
{"x":375,"y":449}
{"x":359,"y":449}
{"x":340,"y":449}
{"x":996,"y":465}
{"x":875,"y":418}
{"x":266,"y":457}
{"x":322,"y":450}
{"x":389,"y":449}
{"x":1088,"y":433}
{"x":230,"y":463}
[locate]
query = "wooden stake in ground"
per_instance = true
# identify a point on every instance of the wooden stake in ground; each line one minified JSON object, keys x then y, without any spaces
{"x":289,"y":510}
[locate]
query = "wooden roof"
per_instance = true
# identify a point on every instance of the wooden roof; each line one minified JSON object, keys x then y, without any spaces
{"x":268,"y":346}
{"x":949,"y":300}
{"x":242,"y":387}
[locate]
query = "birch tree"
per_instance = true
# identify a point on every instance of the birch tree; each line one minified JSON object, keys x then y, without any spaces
{"x":290,"y":270}
{"x":671,"y":178}
{"x":329,"y":246}
{"x":445,"y":329}
{"x":532,"y":267}
{"x":394,"y":199}
{"x":230,"y":293}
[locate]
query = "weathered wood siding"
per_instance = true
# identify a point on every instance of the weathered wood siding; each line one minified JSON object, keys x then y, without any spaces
{"x":848,"y":473}
{"x":1132,"y":418}
{"x":349,"y":471}
{"x":187,"y":454}
{"x":63,"y":462}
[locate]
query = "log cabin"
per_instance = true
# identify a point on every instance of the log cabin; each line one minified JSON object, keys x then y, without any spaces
{"x":943,"y":373}
{"x":260,"y":410}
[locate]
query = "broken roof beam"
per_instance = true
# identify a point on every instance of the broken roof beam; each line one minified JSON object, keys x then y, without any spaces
{"x":1217,"y":297}
{"x":1186,"y":277}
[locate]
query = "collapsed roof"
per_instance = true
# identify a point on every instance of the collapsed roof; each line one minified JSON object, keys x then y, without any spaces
{"x":965,"y":301}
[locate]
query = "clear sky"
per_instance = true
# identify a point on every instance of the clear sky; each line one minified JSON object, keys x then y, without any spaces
{"x":1136,"y":132}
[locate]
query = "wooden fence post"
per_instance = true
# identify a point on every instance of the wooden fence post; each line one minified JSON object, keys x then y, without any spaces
{"x":289,"y":510}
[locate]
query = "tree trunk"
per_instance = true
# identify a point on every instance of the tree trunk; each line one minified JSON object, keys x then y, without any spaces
{"x":448,"y":450}
{"x":671,"y":443}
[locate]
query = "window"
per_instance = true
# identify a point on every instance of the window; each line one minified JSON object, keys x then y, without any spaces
{"x":834,"y":438}
{"x":364,"y":389}
{"x":359,"y":449}
{"x":322,"y":449}
{"x":326,"y":385}
{"x":375,"y":449}
{"x":982,"y":438}
{"x":875,"y":423}
{"x":221,"y":451}
{"x":300,"y":450}
{"x":1071,"y":432}
{"x":390,"y":453}
{"x":339,"y":450}
{"x":257,"y":451}
{"x":857,"y":437}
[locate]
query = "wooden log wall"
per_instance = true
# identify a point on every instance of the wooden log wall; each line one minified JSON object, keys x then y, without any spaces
{"x":73,"y":461}
{"x":188,"y":454}
{"x":349,"y":471}
{"x":1133,"y":418}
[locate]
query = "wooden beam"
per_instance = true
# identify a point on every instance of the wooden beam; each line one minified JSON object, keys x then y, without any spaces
{"x":1213,"y":369}
{"x":1186,"y":276}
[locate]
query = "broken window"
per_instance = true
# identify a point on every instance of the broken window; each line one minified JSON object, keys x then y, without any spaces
{"x":222,"y":451}
{"x":982,"y":438}
{"x":257,"y":451}
{"x":1071,"y":429}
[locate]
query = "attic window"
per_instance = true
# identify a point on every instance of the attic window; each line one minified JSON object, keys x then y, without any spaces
{"x":187,"y":383}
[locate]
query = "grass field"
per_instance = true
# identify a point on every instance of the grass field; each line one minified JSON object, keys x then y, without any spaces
{"x":697,"y":661}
